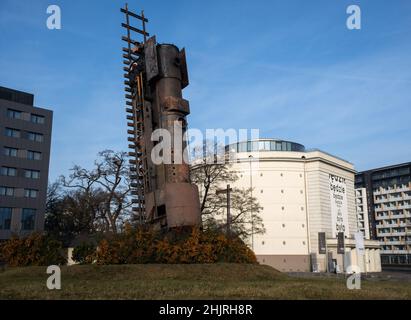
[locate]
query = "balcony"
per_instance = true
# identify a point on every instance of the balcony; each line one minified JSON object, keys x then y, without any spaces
{"x":383,"y":234}
{"x":387,"y":225}
{"x":391,"y":234}
{"x":397,"y":216}
{"x":388,"y":243}
{"x":398,"y":234}
{"x":391,"y":190}
{"x":380,"y":200}
{"x":385,"y":217}
{"x":394,"y":251}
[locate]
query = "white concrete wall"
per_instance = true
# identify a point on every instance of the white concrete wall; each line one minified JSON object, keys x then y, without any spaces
{"x":280,"y":189}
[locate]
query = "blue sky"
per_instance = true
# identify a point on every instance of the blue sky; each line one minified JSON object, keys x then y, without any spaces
{"x":290,"y":68}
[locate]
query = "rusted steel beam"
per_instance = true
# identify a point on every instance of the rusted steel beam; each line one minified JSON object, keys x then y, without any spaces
{"x":132,"y":14}
{"x":126,"y":39}
{"x":144,"y":33}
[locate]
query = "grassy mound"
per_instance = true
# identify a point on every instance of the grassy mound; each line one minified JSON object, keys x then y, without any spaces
{"x":188,"y":281}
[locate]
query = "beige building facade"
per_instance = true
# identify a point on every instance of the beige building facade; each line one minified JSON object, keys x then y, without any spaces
{"x":362,"y":211}
{"x":303,"y":193}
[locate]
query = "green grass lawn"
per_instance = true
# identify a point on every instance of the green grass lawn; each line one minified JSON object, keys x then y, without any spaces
{"x":218,"y":281}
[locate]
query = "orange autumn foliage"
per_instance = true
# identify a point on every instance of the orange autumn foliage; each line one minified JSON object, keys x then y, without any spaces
{"x":179,"y":246}
{"x":34,"y":250}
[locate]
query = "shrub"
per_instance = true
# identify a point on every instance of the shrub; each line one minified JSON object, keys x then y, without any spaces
{"x":34,"y":250}
{"x":84,"y":253}
{"x":183,"y":246}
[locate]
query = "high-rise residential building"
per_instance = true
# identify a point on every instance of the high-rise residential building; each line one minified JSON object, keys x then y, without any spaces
{"x":388,"y":199}
{"x":25,"y":137}
{"x":307,"y":197}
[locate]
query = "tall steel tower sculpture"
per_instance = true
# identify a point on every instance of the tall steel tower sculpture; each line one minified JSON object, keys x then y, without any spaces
{"x":155,"y":76}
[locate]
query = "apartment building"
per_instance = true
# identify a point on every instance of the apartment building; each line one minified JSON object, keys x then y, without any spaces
{"x":25,"y":137}
{"x":389,"y":210}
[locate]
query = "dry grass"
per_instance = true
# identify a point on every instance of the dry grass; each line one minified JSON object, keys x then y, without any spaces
{"x":218,"y":281}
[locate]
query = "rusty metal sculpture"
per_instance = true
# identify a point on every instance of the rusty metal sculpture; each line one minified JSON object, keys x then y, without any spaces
{"x":155,"y":76}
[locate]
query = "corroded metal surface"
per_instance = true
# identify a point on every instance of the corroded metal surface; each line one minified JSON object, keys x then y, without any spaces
{"x":155,"y":76}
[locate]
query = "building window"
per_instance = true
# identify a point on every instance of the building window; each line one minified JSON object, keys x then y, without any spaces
{"x":32,"y":174}
{"x":6,"y":191}
{"x":10,"y":152}
{"x":37,"y":137}
{"x":13,"y":114}
{"x":5,"y":218}
{"x":283,"y":225}
{"x":27,"y":219}
{"x":242,"y":147}
{"x":13,"y":133}
{"x":284,"y":243}
{"x":6,"y":171}
{"x":33,"y":155}
{"x":282,"y":208}
{"x":37,"y":119}
{"x":30,"y":193}
{"x":278,"y":146}
{"x":254,"y":146}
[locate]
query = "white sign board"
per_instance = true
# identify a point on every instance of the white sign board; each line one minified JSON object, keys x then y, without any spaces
{"x":339,"y":208}
{"x":359,"y":243}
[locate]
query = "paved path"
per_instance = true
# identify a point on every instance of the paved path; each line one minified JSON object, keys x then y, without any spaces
{"x":381,"y":276}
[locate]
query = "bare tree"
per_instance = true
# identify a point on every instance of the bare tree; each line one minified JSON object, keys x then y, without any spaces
{"x":54,"y":193}
{"x":211,"y":172}
{"x":208,"y":172}
{"x":105,"y":189}
{"x":208,"y":177}
{"x":245,"y":213}
{"x":115,"y":181}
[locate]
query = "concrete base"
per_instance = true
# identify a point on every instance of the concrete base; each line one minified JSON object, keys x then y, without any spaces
{"x":286,"y":263}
